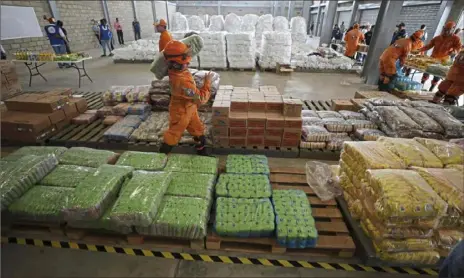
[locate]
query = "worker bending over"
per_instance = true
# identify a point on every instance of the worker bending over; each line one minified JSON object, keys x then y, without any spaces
{"x":352,"y":39}
{"x":165,"y":35}
{"x":185,"y":98}
{"x":443,"y":46}
{"x":397,"y":51}
{"x":453,"y":86}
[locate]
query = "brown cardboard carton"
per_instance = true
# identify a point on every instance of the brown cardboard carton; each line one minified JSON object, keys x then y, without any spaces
{"x":57,"y":116}
{"x":256,"y":132}
{"x":343,"y":104}
{"x":290,"y":143}
{"x":292,"y":107}
{"x":111,"y":120}
{"x":62,"y":124}
{"x":36,"y":103}
{"x":239,"y":105}
{"x":29,"y":137}
{"x":358,"y":103}
{"x":221,"y":141}
{"x":257,"y":105}
{"x":274,"y":104}
{"x":274,"y":120}
{"x":293,"y":122}
{"x":256,"y":119}
{"x":267,"y":88}
{"x":292,"y":133}
{"x":238,"y":132}
{"x":238,"y":119}
{"x":25,"y":122}
{"x":272,"y":141}
{"x":81,"y":104}
{"x":85,"y":118}
{"x":255,"y":141}
{"x":221,"y":109}
{"x":222,"y":131}
{"x":274,"y":132}
{"x":220,"y":121}
{"x":60,"y":92}
{"x":70,"y":111}
{"x":237,"y":142}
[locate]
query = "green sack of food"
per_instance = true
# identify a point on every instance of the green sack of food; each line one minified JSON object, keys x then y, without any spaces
{"x":143,"y":160}
{"x":35,"y":150}
{"x":191,"y":164}
{"x":247,"y":164}
{"x":243,"y":186}
{"x":88,"y":157}
{"x":41,"y":203}
{"x":192,"y":185}
{"x":67,"y":175}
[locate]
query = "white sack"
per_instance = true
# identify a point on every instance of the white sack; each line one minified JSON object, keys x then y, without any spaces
{"x":179,"y":22}
{"x":249,"y":22}
{"x":241,"y":50}
{"x":298,"y":27}
{"x":216,"y":23}
{"x":276,"y":47}
{"x":280,"y":24}
{"x":213,"y":54}
{"x":195,"y":23}
{"x":232,"y":23}
{"x":264,"y":24}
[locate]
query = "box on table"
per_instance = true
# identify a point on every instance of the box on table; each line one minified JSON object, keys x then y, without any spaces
{"x":237,"y":142}
{"x":293,"y":122}
{"x":291,"y":134}
{"x":238,"y":132}
{"x":257,"y":105}
{"x":272,"y":141}
{"x":256,"y":120}
{"x":221,"y":141}
{"x":343,"y":104}
{"x":238,"y":119}
{"x":274,"y":132}
{"x":221,"y":109}
{"x":292,"y":107}
{"x":255,"y":141}
{"x":222,"y":131}
{"x":290,"y":143}
{"x":36,"y":103}
{"x":274,"y":120}
{"x":80,"y":102}
{"x":220,"y":121}
{"x":239,"y":105}
{"x":256,"y":132}
{"x":274,"y":104}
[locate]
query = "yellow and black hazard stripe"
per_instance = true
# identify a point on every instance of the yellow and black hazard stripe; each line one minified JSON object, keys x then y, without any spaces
{"x":218,"y":259}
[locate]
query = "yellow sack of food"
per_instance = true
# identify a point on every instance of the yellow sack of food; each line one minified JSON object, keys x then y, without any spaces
{"x":404,"y":245}
{"x":447,"y":239}
{"x":354,"y":205}
{"x":451,"y":222}
{"x":403,"y":194}
{"x":418,"y":257}
{"x":378,"y":231}
{"x":373,"y":155}
{"x":411,"y":152}
{"x":447,"y":152}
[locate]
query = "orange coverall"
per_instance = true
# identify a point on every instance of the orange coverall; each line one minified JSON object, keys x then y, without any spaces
{"x":443,"y":46}
{"x":398,"y":50}
{"x":164,"y":39}
{"x":352,"y":39}
{"x":183,"y":109}
{"x":453,"y":85}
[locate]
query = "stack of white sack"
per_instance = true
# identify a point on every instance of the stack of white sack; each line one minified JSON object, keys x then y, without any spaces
{"x":213,"y":54}
{"x":276,"y":47}
{"x":298,"y":27}
{"x":280,"y":24}
{"x":318,"y":62}
{"x":232,"y":23}
{"x":301,"y":49}
{"x":179,"y":23}
{"x":205,"y":19}
{"x":216,"y":23}
{"x":140,"y":50}
{"x":264,"y":24}
{"x":249,"y":22}
{"x":241,"y":50}
{"x":195,"y":23}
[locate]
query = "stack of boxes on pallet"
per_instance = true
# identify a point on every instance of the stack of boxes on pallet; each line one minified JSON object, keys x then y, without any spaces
{"x":252,"y":117}
{"x":33,"y":117}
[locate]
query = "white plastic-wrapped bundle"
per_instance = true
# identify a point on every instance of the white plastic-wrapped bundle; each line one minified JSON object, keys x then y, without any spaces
{"x":301,"y":49}
{"x":205,"y":19}
{"x":216,"y":23}
{"x":195,"y":23}
{"x":298,"y":27}
{"x":232,"y":23}
{"x":179,"y":22}
{"x":264,"y":24}
{"x":276,"y":47}
{"x":241,"y":50}
{"x":280,"y":23}
{"x":213,"y":54}
{"x":139,"y":50}
{"x":318,"y":62}
{"x":249,"y":22}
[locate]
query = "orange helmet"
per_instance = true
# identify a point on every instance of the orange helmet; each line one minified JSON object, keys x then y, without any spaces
{"x":418,"y":34}
{"x":178,"y":52}
{"x":450,"y":25}
{"x":162,"y":22}
{"x":356,"y":26}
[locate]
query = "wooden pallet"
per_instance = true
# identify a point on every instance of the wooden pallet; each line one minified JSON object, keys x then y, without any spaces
{"x":320,"y":154}
{"x":268,"y":151}
{"x":88,"y":135}
{"x":143,"y":146}
{"x":32,"y":228}
{"x":94,"y":99}
{"x":334,"y":237}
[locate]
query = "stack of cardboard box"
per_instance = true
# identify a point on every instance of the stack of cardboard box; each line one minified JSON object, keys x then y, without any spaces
{"x":33,"y":117}
{"x":10,"y":83}
{"x":251,"y":117}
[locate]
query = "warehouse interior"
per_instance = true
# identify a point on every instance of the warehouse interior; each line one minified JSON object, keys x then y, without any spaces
{"x":282,"y":65}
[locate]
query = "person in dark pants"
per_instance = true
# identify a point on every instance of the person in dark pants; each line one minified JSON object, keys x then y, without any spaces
{"x":118,"y":28}
{"x":136,"y":26}
{"x":400,"y":33}
{"x":2,"y":53}
{"x":66,"y":40}
{"x":453,"y":266}
{"x":368,"y":35}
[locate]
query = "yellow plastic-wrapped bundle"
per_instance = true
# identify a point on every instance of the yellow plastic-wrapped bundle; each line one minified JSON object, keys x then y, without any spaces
{"x":448,"y":153}
{"x":411,"y":152}
{"x":354,"y":205}
{"x":404,"y":245}
{"x":418,"y":257}
{"x":447,"y":239}
{"x":403,"y":194}
{"x":377,"y":231}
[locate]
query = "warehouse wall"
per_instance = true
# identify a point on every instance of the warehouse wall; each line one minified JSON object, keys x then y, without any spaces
{"x":368,"y":16}
{"x":76,"y":16}
{"x":197,"y":10}
{"x":344,"y":16}
{"x":244,"y":11}
{"x":415,"y":16}
{"x":124,"y":11}
{"x":34,"y":44}
{"x":145,"y":17}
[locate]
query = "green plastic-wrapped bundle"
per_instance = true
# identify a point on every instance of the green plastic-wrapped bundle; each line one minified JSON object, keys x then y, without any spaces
{"x":143,"y":160}
{"x":41,"y":203}
{"x":180,"y":217}
{"x":35,"y":150}
{"x":247,"y":164}
{"x":67,"y":175}
{"x":191,"y":164}
{"x":295,"y":224}
{"x":243,"y":186}
{"x":88,"y":157}
{"x":140,"y":198}
{"x":19,"y":176}
{"x":191,"y":185}
{"x":95,"y":194}
{"x":244,"y":217}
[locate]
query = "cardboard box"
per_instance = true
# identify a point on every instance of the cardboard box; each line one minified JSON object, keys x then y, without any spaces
{"x":237,"y":142}
{"x":60,"y":92}
{"x":274,"y":104}
{"x":274,"y":120}
{"x":375,"y":94}
{"x":255,"y":141}
{"x":220,"y":121}
{"x":290,"y":143}
{"x":272,"y":141}
{"x":292,"y":134}
{"x":81,"y":104}
{"x":36,"y":103}
{"x":85,"y":118}
{"x":293,"y":122}
{"x":292,"y":107}
{"x":267,"y":88}
{"x":358,"y":102}
{"x":274,"y":132}
{"x":238,"y":132}
{"x":221,"y":141}
{"x":70,"y":111}
{"x":257,"y":105}
{"x":57,"y":116}
{"x":29,"y":137}
{"x":64,"y":123}
{"x":256,"y":132}
{"x":222,"y":131}
{"x":221,"y":109}
{"x":238,"y":119}
{"x":256,"y":119}
{"x":34,"y":123}
{"x":343,"y":104}
{"x":111,"y":120}
{"x":239,"y":105}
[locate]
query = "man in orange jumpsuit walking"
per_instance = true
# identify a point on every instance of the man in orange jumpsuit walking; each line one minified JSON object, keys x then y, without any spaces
{"x":165,"y":35}
{"x":352,"y":39}
{"x":185,"y":98}
{"x":453,"y":86}
{"x":443,"y":46}
{"x":398,"y":50}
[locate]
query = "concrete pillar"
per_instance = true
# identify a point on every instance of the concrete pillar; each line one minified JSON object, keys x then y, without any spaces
{"x":167,"y":12}
{"x":290,"y":10}
{"x":219,"y":7}
{"x":153,"y":8}
{"x":354,"y":13}
{"x":134,"y":9}
{"x":54,"y":9}
{"x":320,"y":24}
{"x":385,"y":24}
{"x":329,"y":18}
{"x":318,"y":18}
{"x":106,"y":13}
{"x":307,"y":13}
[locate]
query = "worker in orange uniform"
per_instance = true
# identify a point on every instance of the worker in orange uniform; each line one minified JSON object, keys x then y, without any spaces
{"x":165,"y":35}
{"x":416,"y":45}
{"x":398,"y":50}
{"x":185,"y":98}
{"x":453,"y":86}
{"x":352,"y":39}
{"x":443,"y":46}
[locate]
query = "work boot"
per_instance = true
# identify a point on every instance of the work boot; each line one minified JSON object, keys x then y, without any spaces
{"x":438,"y":97}
{"x":200,"y":145}
{"x":450,"y":100}
{"x":165,"y":148}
